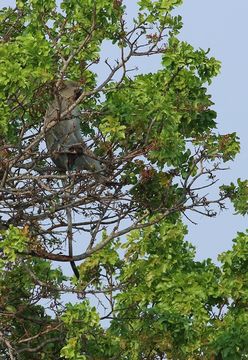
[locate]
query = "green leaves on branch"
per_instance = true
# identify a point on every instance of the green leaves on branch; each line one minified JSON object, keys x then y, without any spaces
{"x":225,"y":146}
{"x":86,"y":339}
{"x":184,"y":307}
{"x":159,"y":7}
{"x":14,"y":241}
{"x":112,"y":129}
{"x":238,"y":195}
{"x":167,"y":107}
{"x":180,"y":54}
{"x":25,"y":65}
{"x":94,"y":269}
{"x":80,"y":319}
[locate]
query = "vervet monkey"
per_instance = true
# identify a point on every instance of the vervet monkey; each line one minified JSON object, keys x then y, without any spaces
{"x":64,"y":140}
{"x":66,"y":146}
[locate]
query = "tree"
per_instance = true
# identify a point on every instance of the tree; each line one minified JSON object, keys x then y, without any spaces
{"x":156,"y":134}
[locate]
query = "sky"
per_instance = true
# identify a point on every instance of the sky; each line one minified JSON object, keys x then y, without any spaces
{"x":221,"y":26}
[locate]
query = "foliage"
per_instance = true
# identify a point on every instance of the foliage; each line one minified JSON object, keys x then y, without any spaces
{"x":140,"y":294}
{"x":238,"y":195}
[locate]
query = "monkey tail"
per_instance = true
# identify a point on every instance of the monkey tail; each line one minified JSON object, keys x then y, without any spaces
{"x":75,"y":269}
{"x":70,"y":238}
{"x":70,"y":241}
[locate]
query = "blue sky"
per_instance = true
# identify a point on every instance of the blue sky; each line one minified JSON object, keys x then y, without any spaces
{"x":222,"y":26}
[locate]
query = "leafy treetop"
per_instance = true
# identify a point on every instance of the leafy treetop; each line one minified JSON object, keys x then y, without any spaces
{"x":156,"y":134}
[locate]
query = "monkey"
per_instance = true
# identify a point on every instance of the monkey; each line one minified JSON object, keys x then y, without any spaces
{"x":64,"y":140}
{"x":65,"y":144}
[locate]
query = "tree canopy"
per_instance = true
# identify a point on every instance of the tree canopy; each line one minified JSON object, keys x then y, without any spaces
{"x":140,"y":294}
